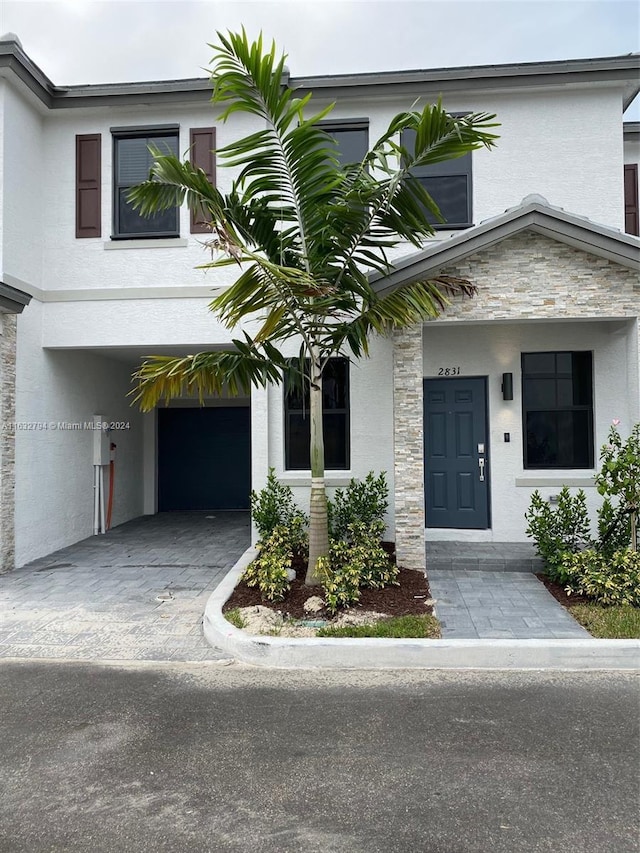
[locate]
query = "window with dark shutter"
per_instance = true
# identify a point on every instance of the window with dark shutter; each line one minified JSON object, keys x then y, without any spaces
{"x":88,"y":177}
{"x":202,"y":143}
{"x":132,"y":162}
{"x":631,"y":219}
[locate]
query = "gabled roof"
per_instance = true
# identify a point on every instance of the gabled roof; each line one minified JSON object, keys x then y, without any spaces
{"x":620,"y":71}
{"x":534,"y":213}
{"x":12,"y":300}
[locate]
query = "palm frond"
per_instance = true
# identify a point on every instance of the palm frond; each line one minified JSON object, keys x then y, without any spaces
{"x":206,"y":374}
{"x":404,"y":307}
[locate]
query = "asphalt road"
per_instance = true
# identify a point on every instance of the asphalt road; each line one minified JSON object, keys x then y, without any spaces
{"x":206,"y":758}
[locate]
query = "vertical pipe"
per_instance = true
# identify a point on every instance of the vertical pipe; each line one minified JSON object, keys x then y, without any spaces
{"x":96,"y":502}
{"x":102,"y":519}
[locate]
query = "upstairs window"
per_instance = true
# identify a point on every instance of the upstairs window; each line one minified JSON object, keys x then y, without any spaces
{"x":557,"y":403}
{"x":132,"y":162}
{"x":449,"y":185}
{"x":351,"y":137}
{"x":335,"y":419}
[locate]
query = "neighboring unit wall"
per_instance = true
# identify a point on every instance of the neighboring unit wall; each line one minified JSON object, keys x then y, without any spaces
{"x":23,"y":207}
{"x":54,"y":489}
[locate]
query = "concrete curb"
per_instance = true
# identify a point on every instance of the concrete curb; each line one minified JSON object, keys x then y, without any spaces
{"x":374,"y":653}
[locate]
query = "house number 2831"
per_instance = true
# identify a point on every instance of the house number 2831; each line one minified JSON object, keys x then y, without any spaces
{"x":448,"y":371}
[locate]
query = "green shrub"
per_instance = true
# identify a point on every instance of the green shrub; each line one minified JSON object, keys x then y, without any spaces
{"x":341,"y":583}
{"x":274,"y":507}
{"x":269,"y":570}
{"x":614,"y":528}
{"x":620,"y":475}
{"x":355,"y":562}
{"x":611,"y":579}
{"x":365,"y":502}
{"x":558,"y":530}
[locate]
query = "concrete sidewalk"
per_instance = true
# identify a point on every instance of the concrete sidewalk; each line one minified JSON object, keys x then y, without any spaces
{"x":136,"y":593}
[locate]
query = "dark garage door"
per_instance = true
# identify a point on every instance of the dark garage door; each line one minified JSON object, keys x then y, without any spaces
{"x":204,"y":458}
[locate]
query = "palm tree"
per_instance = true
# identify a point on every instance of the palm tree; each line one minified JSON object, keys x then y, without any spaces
{"x":307,"y":233}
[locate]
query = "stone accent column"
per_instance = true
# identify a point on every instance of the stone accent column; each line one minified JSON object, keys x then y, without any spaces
{"x":408,"y":447}
{"x":7,"y":440}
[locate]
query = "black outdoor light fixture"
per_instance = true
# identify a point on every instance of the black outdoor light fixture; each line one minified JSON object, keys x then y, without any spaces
{"x":507,"y":386}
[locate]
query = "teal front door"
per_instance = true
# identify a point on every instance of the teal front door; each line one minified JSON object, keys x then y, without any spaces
{"x":456,"y":461}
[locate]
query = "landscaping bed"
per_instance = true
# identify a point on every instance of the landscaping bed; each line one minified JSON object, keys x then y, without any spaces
{"x":393,"y":611}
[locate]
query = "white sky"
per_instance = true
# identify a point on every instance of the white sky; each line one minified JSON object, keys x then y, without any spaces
{"x":100,"y":41}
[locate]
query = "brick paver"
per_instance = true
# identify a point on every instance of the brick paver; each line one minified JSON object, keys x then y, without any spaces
{"x":473,"y":604}
{"x":136,"y":593}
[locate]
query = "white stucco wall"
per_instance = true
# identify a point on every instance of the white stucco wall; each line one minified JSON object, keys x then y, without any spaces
{"x":23,"y":210}
{"x":100,"y":262}
{"x":371,"y":427}
{"x":550,"y":143}
{"x":493,"y":349}
{"x":54,"y":481}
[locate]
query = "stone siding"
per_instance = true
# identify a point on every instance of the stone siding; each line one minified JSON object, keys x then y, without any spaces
{"x":7,"y":441}
{"x":409,"y":450}
{"x":529,"y":276}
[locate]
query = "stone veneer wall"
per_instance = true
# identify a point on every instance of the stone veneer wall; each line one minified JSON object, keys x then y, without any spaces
{"x":7,"y":440}
{"x":524,"y":277}
{"x":529,"y":276}
{"x":409,"y":451}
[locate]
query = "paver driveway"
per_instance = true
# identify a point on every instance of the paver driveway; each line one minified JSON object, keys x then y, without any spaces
{"x":136,"y":593}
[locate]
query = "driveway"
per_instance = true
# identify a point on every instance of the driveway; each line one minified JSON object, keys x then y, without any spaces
{"x":136,"y":593}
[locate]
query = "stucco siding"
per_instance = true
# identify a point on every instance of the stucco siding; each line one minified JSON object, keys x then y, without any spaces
{"x":54,"y":489}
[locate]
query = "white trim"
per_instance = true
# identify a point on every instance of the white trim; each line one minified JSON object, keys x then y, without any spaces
{"x":159,"y":243}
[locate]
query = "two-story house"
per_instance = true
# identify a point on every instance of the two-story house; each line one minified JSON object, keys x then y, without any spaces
{"x":510,"y":391}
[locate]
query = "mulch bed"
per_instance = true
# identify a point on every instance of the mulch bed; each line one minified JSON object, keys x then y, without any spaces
{"x":557,"y":591}
{"x":406,"y":599}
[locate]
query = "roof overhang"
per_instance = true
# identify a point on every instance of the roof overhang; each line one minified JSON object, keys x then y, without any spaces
{"x":12,"y":300}
{"x":620,"y":71}
{"x":533,"y":214}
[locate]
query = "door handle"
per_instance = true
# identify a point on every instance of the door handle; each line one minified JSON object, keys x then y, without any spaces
{"x":481,"y":466}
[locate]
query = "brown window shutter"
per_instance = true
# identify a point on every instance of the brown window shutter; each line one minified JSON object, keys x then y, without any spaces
{"x":88,"y":189}
{"x":631,"y":219}
{"x":202,"y":143}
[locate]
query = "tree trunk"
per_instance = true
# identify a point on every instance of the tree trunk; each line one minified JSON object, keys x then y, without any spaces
{"x":318,"y":525}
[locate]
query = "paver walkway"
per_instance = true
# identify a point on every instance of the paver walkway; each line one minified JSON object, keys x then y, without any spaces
{"x":473,"y":604}
{"x":138,"y":592}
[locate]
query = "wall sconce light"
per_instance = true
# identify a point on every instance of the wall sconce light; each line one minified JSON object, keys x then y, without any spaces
{"x":507,"y":386}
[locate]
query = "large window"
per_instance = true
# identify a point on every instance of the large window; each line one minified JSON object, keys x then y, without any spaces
{"x":132,"y":161}
{"x":449,"y":185}
{"x":335,"y":419}
{"x":557,"y":401}
{"x":351,"y":137}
